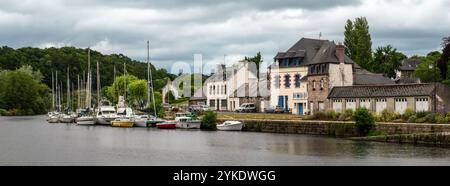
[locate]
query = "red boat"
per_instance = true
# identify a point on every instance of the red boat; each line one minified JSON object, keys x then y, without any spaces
{"x":167,"y":125}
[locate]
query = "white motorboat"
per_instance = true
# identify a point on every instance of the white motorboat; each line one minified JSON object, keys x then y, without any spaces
{"x":188,"y":123}
{"x":141,"y":120}
{"x":85,"y":120}
{"x":231,"y":126}
{"x":105,"y":115}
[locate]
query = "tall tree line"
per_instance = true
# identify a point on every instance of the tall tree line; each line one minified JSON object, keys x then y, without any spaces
{"x":59,"y":59}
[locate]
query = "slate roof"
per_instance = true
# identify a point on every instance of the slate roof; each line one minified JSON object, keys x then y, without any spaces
{"x":409,"y":64}
{"x":364,"y":77}
{"x":313,"y":51}
{"x":380,"y":91}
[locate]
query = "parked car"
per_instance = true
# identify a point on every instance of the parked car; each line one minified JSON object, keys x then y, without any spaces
{"x":205,"y":108}
{"x":246,"y":107}
{"x":195,"y":108}
{"x":274,"y":109}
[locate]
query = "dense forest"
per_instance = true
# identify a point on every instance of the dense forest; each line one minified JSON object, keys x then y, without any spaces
{"x":59,"y":59}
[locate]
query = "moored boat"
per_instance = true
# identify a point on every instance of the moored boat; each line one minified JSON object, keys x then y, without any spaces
{"x":53,"y":118}
{"x":105,"y":115}
{"x":66,"y":118}
{"x":167,"y":125}
{"x":153,"y":122}
{"x":85,"y":120}
{"x":141,"y":120}
{"x":188,"y":123}
{"x":231,"y":126}
{"x":123,"y":122}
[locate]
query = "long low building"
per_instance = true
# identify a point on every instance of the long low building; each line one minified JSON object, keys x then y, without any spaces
{"x":394,"y":98}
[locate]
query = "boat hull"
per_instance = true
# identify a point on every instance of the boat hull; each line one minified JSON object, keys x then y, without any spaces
{"x":142,"y":123}
{"x":85,"y":121}
{"x":153,"y":123}
{"x":66,"y":120}
{"x":53,"y":120}
{"x":189,"y":125}
{"x":125,"y":124}
{"x":104,"y":121}
{"x":234,"y":127}
{"x":166,"y":126}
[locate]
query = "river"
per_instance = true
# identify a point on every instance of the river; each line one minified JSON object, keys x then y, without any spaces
{"x":32,"y":141}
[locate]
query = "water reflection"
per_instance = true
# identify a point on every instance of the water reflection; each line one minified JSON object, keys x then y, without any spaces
{"x":31,"y":141}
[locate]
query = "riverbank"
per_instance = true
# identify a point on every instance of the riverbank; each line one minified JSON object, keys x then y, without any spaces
{"x":429,"y":134}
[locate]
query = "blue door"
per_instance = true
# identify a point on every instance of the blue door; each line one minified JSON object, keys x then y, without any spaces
{"x":281,"y":101}
{"x":300,"y":109}
{"x":287,"y":104}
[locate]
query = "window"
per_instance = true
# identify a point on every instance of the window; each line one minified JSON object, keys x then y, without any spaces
{"x":214,"y":89}
{"x":226,"y":91}
{"x":212,"y":103}
{"x":311,"y":69}
{"x":287,"y":81}
{"x":224,"y":103}
{"x":286,"y":62}
{"x":317,"y":69}
{"x":314,"y":84}
{"x":277,"y":81}
{"x":298,"y":77}
{"x":323,"y":68}
{"x":321,"y":84}
{"x":297,"y":62}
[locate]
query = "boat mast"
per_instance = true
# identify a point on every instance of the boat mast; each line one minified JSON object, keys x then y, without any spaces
{"x":78,"y":91}
{"x":68,"y":90}
{"x":150,"y":80}
{"x":56,"y":92}
{"x":125,"y":81}
{"x":98,"y":86}
{"x":53,"y":92}
{"x":88,"y":82}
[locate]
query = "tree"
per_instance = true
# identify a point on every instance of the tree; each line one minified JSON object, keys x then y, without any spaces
{"x":443,"y":62}
{"x":359,"y":41}
{"x":349,"y":41}
{"x":138,"y":91}
{"x":118,"y":88}
{"x":22,"y":92}
{"x":257,"y":60}
{"x":364,"y":120}
{"x":427,"y":71}
{"x":209,"y":121}
{"x":387,"y":60}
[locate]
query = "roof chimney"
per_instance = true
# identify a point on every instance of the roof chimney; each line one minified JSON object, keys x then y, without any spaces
{"x":340,"y":52}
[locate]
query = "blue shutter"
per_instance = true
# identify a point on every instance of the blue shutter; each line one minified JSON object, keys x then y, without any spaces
{"x":281,"y":101}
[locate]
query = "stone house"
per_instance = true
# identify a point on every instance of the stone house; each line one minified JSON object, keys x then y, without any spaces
{"x":406,"y":71}
{"x":376,"y":98}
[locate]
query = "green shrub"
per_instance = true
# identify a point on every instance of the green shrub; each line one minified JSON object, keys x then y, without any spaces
{"x":331,"y":114}
{"x":441,"y":118}
{"x":408,"y":113}
{"x":430,"y":118}
{"x":3,"y":112}
{"x":320,"y":116}
{"x":209,"y":121}
{"x":348,"y":115}
{"x":412,"y":119}
{"x":422,"y":114}
{"x":161,"y":113}
{"x":364,"y":121}
{"x":387,"y":116}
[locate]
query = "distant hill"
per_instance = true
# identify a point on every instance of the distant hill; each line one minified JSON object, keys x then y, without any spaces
{"x":58,"y":59}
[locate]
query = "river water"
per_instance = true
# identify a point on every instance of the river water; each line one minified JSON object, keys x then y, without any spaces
{"x":32,"y":141}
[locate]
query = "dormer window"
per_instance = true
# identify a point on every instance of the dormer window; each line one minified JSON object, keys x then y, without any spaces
{"x":286,"y":62}
{"x":323,"y":68}
{"x":297,"y":62}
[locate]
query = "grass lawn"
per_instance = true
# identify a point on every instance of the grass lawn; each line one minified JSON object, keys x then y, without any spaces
{"x":231,"y":116}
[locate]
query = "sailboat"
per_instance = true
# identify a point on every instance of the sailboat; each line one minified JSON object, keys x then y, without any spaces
{"x":126,"y":116}
{"x":87,"y":119}
{"x":53,"y":116}
{"x":105,"y":112}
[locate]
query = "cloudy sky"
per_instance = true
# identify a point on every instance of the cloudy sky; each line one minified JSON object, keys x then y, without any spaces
{"x":178,"y":29}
